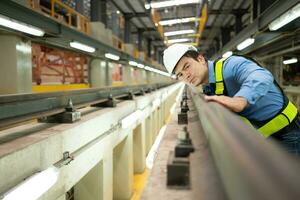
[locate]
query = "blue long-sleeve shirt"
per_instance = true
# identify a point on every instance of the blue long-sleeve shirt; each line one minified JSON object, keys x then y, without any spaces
{"x":244,"y":78}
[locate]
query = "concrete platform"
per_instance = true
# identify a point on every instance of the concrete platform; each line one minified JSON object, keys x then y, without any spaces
{"x":205,"y":183}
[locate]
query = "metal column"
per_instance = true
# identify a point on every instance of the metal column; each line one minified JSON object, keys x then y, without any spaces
{"x":154,"y":54}
{"x":149,"y":47}
{"x":159,"y":55}
{"x":140,"y":39}
{"x":127,"y":29}
{"x":114,"y":25}
{"x":238,"y":22}
{"x":225,"y":35}
{"x":98,"y":11}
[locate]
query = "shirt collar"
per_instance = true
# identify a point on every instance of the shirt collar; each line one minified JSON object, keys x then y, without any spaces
{"x":211,"y":71}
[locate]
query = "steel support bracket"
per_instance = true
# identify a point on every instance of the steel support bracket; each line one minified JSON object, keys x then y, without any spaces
{"x":184,"y":107}
{"x":65,"y":117}
{"x":184,"y":144}
{"x":178,"y":172}
{"x":182,"y":118}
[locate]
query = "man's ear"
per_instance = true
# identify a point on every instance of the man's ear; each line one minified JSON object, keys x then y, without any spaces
{"x":201,"y":58}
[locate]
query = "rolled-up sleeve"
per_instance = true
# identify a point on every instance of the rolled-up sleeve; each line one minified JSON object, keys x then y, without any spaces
{"x":255,"y":81}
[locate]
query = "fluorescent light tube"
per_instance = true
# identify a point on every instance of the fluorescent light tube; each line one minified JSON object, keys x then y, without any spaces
{"x":148,"y":68}
{"x":284,"y":19}
{"x":290,"y":61}
{"x":35,"y":186}
{"x":147,"y":6}
{"x":156,"y":71}
{"x":19,"y":26}
{"x":83,"y":47}
{"x":140,"y":66}
{"x":112,"y":56}
{"x":178,"y":40}
{"x":164,"y":4}
{"x":130,"y":119}
{"x":245,"y":43}
{"x":177,"y":21}
{"x":133,"y":63}
{"x":227,"y":54}
{"x":179,"y":32}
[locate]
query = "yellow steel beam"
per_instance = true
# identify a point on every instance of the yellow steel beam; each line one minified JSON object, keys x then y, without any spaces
{"x":202,"y":23}
{"x":50,"y":88}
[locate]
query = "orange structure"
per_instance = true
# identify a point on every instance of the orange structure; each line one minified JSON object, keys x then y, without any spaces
{"x":53,"y":66}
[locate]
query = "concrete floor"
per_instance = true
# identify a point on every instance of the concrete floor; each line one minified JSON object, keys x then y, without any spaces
{"x":205,"y":183}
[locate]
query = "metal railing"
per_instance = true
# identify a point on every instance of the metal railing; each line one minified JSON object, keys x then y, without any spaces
{"x":250,"y":166}
{"x":82,"y":21}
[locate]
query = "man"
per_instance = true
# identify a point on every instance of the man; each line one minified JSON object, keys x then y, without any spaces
{"x":244,"y":87}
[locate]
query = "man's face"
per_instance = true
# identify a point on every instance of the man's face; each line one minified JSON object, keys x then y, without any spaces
{"x":191,"y":71}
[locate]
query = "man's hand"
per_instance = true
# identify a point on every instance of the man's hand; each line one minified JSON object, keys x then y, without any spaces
{"x":235,"y":104}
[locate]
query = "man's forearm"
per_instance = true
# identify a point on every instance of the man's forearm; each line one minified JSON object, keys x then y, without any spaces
{"x":235,"y":104}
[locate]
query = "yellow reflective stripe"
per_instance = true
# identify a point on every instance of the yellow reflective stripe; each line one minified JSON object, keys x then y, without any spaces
{"x":219,"y":77}
{"x":219,"y":88}
{"x":290,"y":111}
{"x":219,"y":67}
{"x":280,"y":121}
{"x":274,"y":125}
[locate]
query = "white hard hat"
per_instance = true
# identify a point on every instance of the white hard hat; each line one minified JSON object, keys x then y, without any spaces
{"x":173,"y":54}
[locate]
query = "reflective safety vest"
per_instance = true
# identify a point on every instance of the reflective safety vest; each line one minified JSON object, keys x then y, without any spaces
{"x":283,"y":118}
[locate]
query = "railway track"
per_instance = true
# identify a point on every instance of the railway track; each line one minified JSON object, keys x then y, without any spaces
{"x":63,"y":106}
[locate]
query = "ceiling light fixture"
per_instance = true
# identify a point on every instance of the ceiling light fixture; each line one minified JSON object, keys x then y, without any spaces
{"x":245,"y":43}
{"x":19,"y":26}
{"x":133,"y":63}
{"x":112,"y":56}
{"x":178,"y":40}
{"x":147,"y":6}
{"x":140,"y":66}
{"x":181,"y":32}
{"x":178,"y":21}
{"x":164,"y":4}
{"x":290,"y":61}
{"x":284,"y":19}
{"x":227,"y":54}
{"x":83,"y":47}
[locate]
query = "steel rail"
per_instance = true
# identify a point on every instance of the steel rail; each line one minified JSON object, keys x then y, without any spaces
{"x":250,"y":166}
{"x":17,"y":108}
